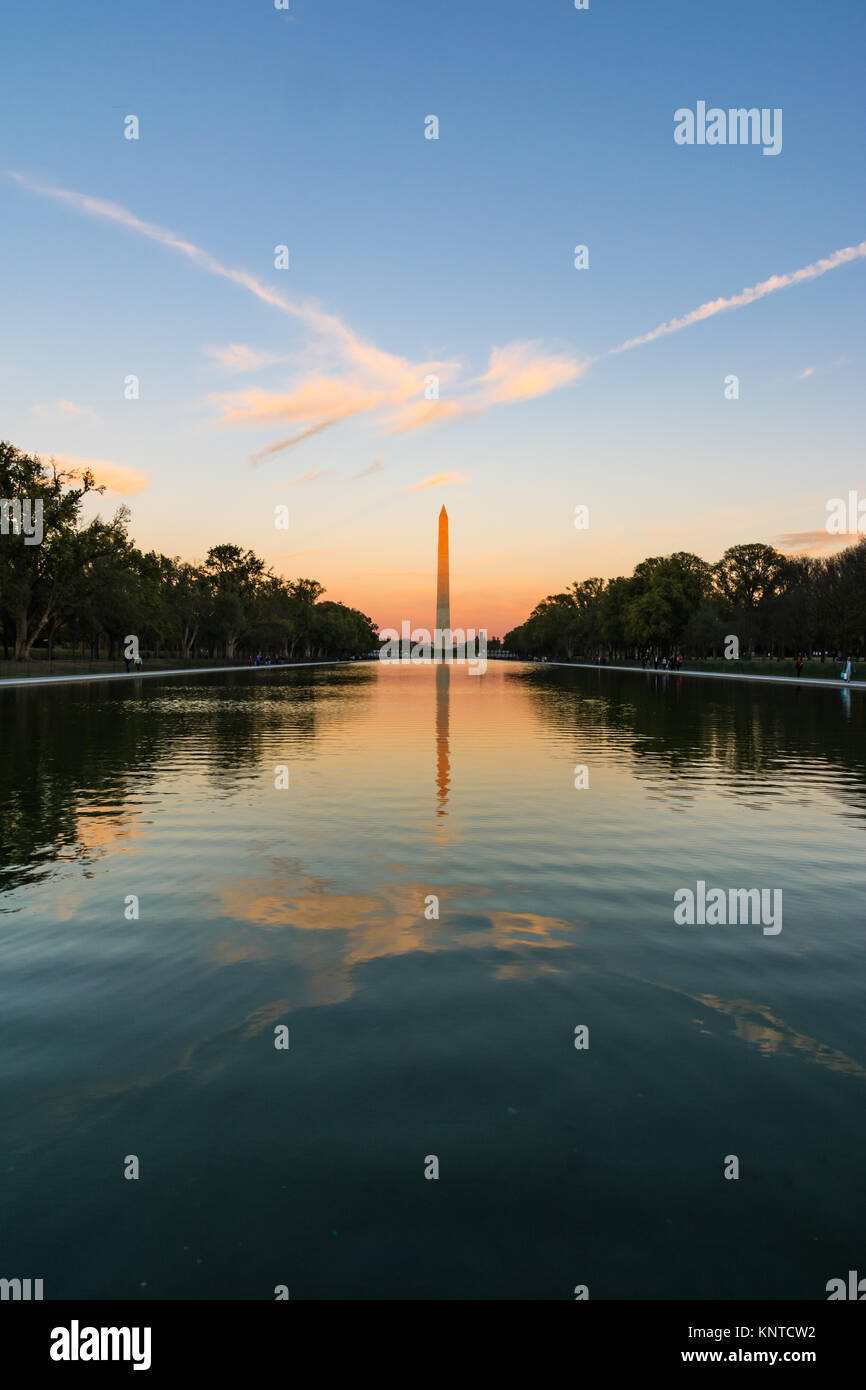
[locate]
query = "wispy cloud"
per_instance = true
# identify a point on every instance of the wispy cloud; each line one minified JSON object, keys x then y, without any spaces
{"x":821,"y":370}
{"x":280,"y":445}
{"x":237,"y":357}
{"x":439,"y":480}
{"x":316,"y":398}
{"x":375,"y":467}
{"x":117,"y":478}
{"x":66,"y":408}
{"x":113,"y":212}
{"x":421,"y":413}
{"x":309,"y":477}
{"x":363,"y":379}
{"x":520,"y":371}
{"x":747,"y":296}
{"x":813,"y":542}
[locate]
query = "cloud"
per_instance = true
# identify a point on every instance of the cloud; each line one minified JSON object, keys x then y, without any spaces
{"x":812,"y":542}
{"x":747,"y":296}
{"x":115,"y":477}
{"x":318,"y":398}
{"x":821,"y":370}
{"x":280,"y":445}
{"x":520,"y":371}
{"x":113,"y":212}
{"x":237,"y":357}
{"x":68,"y":408}
{"x":517,"y":372}
{"x":422,"y":413}
{"x":364,"y":379}
{"x":389,"y":368}
{"x":375,"y":467}
{"x":308,"y":477}
{"x":439,"y":480}
{"x":316,"y":404}
{"x":375,"y":380}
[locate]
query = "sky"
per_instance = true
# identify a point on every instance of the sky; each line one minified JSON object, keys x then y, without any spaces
{"x":417,"y":265}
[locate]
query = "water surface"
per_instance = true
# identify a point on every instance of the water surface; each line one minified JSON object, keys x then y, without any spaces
{"x":414,"y":1036}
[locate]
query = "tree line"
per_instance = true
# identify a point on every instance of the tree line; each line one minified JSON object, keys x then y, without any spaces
{"x":87,"y":587}
{"x":775,"y":604}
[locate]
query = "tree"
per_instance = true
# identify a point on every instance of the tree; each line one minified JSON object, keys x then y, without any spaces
{"x":671,"y":589}
{"x":90,"y":582}
{"x":748,"y":573}
{"x":186,"y":604}
{"x":681,"y":602}
{"x":233,"y":577}
{"x":34,"y":579}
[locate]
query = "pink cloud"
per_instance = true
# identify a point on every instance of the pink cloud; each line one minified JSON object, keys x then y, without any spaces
{"x":375,"y":467}
{"x":813,"y":542}
{"x":117,"y":478}
{"x":519,"y":371}
{"x":67,"y":408}
{"x":439,"y":480}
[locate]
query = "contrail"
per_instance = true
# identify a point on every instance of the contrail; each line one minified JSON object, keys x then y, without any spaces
{"x":99,"y":207}
{"x":747,"y":296}
{"x":367,"y":353}
{"x":322,"y":322}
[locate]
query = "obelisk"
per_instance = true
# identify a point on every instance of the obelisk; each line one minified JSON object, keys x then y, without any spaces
{"x":443,"y":587}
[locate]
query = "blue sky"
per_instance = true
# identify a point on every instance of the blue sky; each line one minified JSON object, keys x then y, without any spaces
{"x":261,"y":127}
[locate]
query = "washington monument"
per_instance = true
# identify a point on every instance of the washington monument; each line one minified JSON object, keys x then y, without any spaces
{"x":443,"y":587}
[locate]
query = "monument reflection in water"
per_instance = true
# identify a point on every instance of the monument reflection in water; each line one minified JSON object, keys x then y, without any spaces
{"x":443,"y":758}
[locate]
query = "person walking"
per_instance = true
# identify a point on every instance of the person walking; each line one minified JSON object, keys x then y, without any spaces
{"x":799,"y":665}
{"x":849,"y":667}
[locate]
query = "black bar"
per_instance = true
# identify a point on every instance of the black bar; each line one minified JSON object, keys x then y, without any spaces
{"x":309,"y":1340}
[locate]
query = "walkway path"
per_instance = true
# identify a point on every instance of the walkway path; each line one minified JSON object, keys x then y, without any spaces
{"x":718,"y":675}
{"x":140,"y":675}
{"x":294,"y":665}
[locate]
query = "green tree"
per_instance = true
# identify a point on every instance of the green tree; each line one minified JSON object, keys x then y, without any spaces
{"x":233,"y":577}
{"x":35,"y":579}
